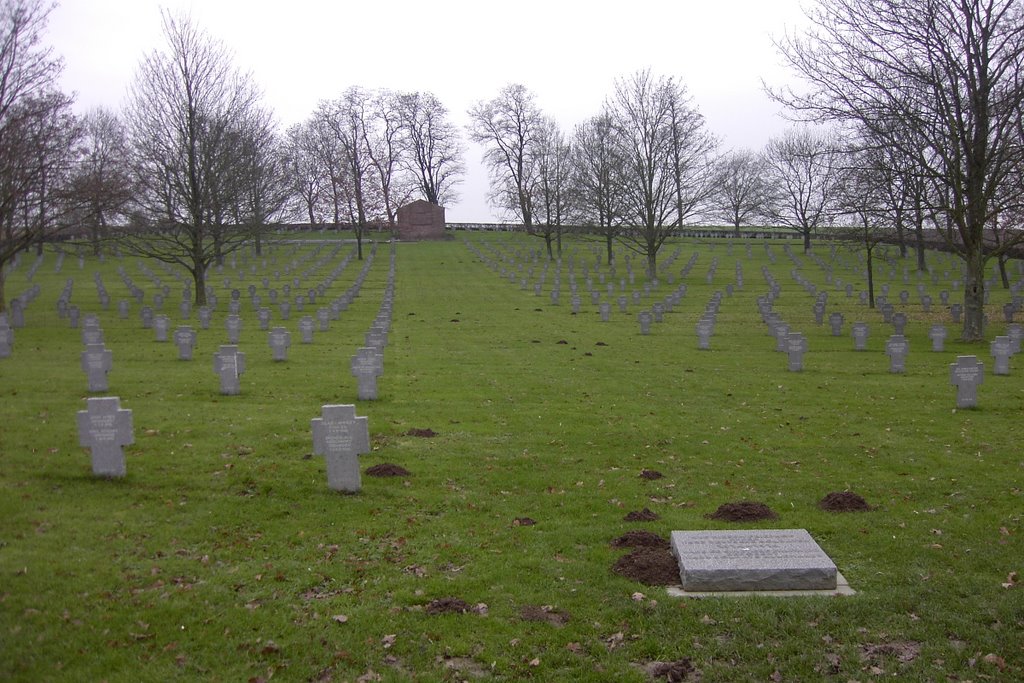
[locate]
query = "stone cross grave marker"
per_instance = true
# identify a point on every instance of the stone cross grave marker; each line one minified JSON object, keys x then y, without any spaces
{"x":1016,"y":334}
{"x":835,"y":321}
{"x":367,"y":366}
{"x":796,"y":347}
{"x":323,"y":316}
{"x":899,"y":322}
{"x":96,"y":362}
{"x":105,"y":428}
{"x":341,"y":437}
{"x":705,"y":328}
{"x":146,"y":314}
{"x":966,"y":374}
{"x":92,"y":333}
{"x":767,"y":559}
{"x":645,"y":319}
{"x":896,"y":347}
{"x":955,"y":311}
{"x":605,"y":311}
{"x":1001,"y":349}
{"x":161,"y":324}
{"x":937,"y":333}
{"x":859,"y":331}
{"x":185,"y":340}
{"x":279,"y":339}
{"x":377,"y":337}
{"x":306,"y":328}
{"x":6,"y":338}
{"x":229,"y":364}
{"x":122,"y":309}
{"x":233,"y":323}
{"x":263,"y":315}
{"x":205,"y":315}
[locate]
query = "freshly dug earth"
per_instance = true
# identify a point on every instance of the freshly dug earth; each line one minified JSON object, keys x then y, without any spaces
{"x":640,"y":539}
{"x":843,"y":501}
{"x":651,"y":474}
{"x":422,"y":433}
{"x":678,"y":671}
{"x":447,"y":606}
{"x":744,"y":511}
{"x":649,"y":566}
{"x":552,"y":615}
{"x":387,"y":469}
{"x":644,"y":515}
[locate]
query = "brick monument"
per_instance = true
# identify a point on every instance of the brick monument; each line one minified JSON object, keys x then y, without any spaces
{"x":420,"y":220}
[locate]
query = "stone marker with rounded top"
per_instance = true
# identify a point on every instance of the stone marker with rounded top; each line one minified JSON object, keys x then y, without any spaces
{"x":106,"y":428}
{"x":229,"y":364}
{"x":96,"y":363}
{"x":761,"y":560}
{"x":367,"y":366}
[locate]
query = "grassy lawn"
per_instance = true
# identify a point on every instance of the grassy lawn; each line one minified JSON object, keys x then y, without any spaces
{"x":223,"y":555}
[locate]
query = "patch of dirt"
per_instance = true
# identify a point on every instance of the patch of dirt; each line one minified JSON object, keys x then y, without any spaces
{"x":552,"y":615}
{"x":464,"y":666}
{"x":644,"y":515}
{"x":561,"y":341}
{"x":744,"y":511}
{"x":843,"y":501}
{"x":387,"y":469}
{"x":903,"y":651}
{"x":523,"y":521}
{"x":649,"y":566}
{"x":447,"y":606}
{"x":679,"y":671}
{"x":651,"y":474}
{"x":427,"y":433}
{"x":640,"y":539}
{"x":600,"y":344}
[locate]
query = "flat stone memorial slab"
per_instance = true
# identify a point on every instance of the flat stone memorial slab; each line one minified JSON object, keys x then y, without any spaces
{"x":764,"y":560}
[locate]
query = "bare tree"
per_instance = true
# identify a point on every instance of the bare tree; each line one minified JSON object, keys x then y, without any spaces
{"x":950,"y":73}
{"x":803,"y":179}
{"x":508,"y":127}
{"x":347,"y":162}
{"x":304,"y":174}
{"x":262,"y":172}
{"x":597,"y":177}
{"x":742,"y":193}
{"x":101,"y":183}
{"x":554,"y":194}
{"x":187,"y":115}
{"x":433,"y":150}
{"x":382,"y":140}
{"x":36,"y":130}
{"x":664,"y":149}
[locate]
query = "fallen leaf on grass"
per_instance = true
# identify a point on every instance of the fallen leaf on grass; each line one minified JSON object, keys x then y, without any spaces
{"x":1011,"y":580}
{"x":388,"y":640}
{"x":339,"y":618}
{"x":614,"y":640}
{"x":995,"y":659}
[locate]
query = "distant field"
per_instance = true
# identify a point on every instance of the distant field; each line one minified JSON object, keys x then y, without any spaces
{"x":223,"y":556}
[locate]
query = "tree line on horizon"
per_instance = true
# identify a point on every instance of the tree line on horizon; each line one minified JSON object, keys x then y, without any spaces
{"x":910,"y":120}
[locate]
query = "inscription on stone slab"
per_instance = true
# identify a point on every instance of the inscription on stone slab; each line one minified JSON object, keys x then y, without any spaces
{"x":340,"y":436}
{"x":966,"y":374}
{"x":773,"y":559}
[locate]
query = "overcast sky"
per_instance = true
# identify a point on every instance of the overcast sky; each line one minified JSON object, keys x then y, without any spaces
{"x":567,"y":52}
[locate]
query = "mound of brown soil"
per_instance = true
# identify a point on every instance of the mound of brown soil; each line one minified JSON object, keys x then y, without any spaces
{"x":523,"y":521}
{"x":651,"y":474}
{"x":447,"y":606}
{"x":387,"y":469}
{"x":644,"y":515}
{"x":552,"y":615}
{"x":679,"y":671}
{"x":744,"y":511}
{"x":422,"y":433}
{"x":843,"y":501}
{"x":640,"y":539}
{"x":650,"y":566}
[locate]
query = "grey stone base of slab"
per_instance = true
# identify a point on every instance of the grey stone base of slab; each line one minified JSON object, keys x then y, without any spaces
{"x":762,"y":560}
{"x":842,"y":588}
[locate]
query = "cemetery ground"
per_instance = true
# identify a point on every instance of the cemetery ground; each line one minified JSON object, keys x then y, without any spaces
{"x":222,"y":554}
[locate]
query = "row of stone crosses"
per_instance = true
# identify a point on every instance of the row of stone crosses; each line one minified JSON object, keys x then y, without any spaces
{"x":966,"y":374}
{"x":105,"y":428}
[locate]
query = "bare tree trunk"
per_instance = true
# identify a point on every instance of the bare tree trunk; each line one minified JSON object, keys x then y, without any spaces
{"x":974,"y":295}
{"x":871,"y":276}
{"x":199,"y":278}
{"x":608,"y":239}
{"x":3,"y":299}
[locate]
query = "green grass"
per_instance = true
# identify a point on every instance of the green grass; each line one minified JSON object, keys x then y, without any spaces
{"x":224,"y":556}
